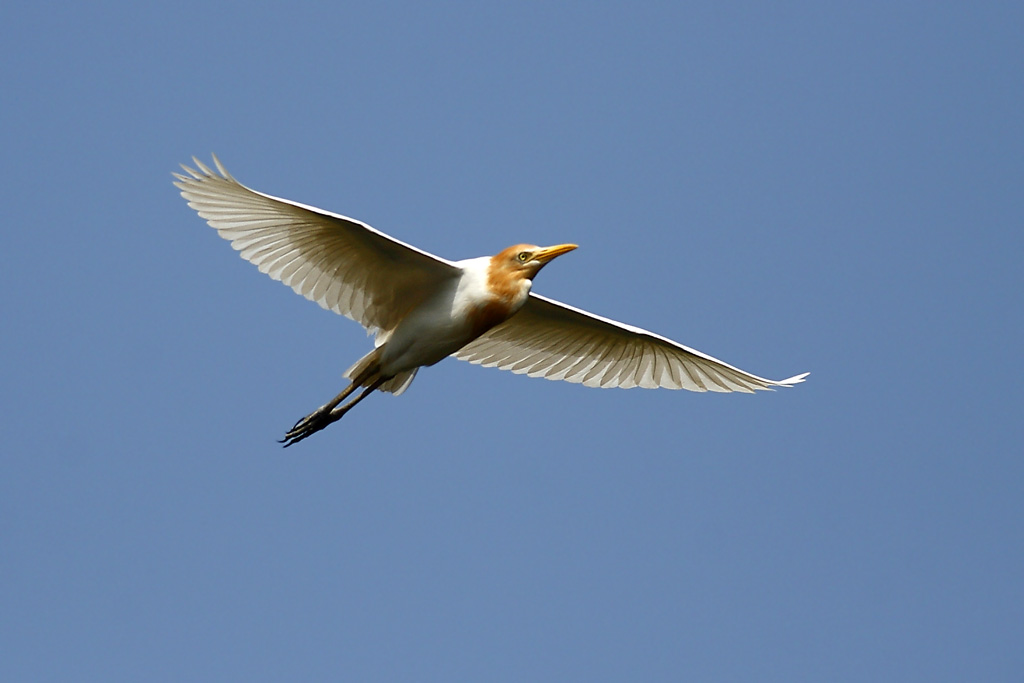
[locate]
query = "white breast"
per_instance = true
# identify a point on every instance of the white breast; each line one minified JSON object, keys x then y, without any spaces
{"x":443,"y":324}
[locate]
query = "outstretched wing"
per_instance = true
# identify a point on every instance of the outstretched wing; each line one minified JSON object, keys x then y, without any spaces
{"x":549,"y":339}
{"x":340,"y":263}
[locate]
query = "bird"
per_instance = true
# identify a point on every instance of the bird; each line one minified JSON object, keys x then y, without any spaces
{"x":422,"y":308}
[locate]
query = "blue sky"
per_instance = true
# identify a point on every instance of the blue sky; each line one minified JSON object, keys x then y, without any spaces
{"x":823,"y":187}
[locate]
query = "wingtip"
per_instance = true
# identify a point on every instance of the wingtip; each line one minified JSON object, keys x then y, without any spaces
{"x":204,"y":170}
{"x":796,"y":379}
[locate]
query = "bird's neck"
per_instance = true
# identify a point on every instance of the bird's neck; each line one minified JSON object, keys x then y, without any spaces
{"x":490,"y":296}
{"x":482,"y":283}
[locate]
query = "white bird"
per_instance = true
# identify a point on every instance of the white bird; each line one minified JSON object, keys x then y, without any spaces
{"x":422,"y":308}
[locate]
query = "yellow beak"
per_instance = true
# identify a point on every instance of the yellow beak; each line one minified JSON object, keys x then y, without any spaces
{"x":547,"y":253}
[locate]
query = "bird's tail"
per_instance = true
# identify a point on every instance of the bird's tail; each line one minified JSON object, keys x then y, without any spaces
{"x":367,"y":370}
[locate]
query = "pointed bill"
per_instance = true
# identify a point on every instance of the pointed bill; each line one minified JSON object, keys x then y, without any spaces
{"x":547,"y":253}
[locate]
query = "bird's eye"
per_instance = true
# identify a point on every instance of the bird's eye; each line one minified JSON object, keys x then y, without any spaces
{"x":524,"y":256}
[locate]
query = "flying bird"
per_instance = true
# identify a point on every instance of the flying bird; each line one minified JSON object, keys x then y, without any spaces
{"x":423,"y":308}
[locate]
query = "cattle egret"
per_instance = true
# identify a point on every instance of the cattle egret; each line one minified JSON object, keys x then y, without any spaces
{"x":422,"y":308}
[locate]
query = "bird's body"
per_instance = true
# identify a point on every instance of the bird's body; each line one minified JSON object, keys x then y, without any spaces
{"x":456,"y":312}
{"x":423,"y":308}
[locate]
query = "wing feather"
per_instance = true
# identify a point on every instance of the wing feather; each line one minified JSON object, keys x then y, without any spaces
{"x":553,"y":340}
{"x":340,"y":263}
{"x":624,"y":369}
{"x":603,"y":360}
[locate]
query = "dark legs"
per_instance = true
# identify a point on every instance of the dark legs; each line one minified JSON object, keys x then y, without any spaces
{"x":328,"y":413}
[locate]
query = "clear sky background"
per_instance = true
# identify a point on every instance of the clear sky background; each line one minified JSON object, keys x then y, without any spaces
{"x":826,"y":187}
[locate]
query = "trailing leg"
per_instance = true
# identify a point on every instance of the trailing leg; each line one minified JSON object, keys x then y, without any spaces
{"x":329,"y":412}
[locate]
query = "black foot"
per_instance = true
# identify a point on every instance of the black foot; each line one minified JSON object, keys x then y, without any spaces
{"x":307,"y":426}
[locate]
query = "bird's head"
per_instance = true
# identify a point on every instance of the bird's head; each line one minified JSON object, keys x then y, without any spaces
{"x":525,"y":260}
